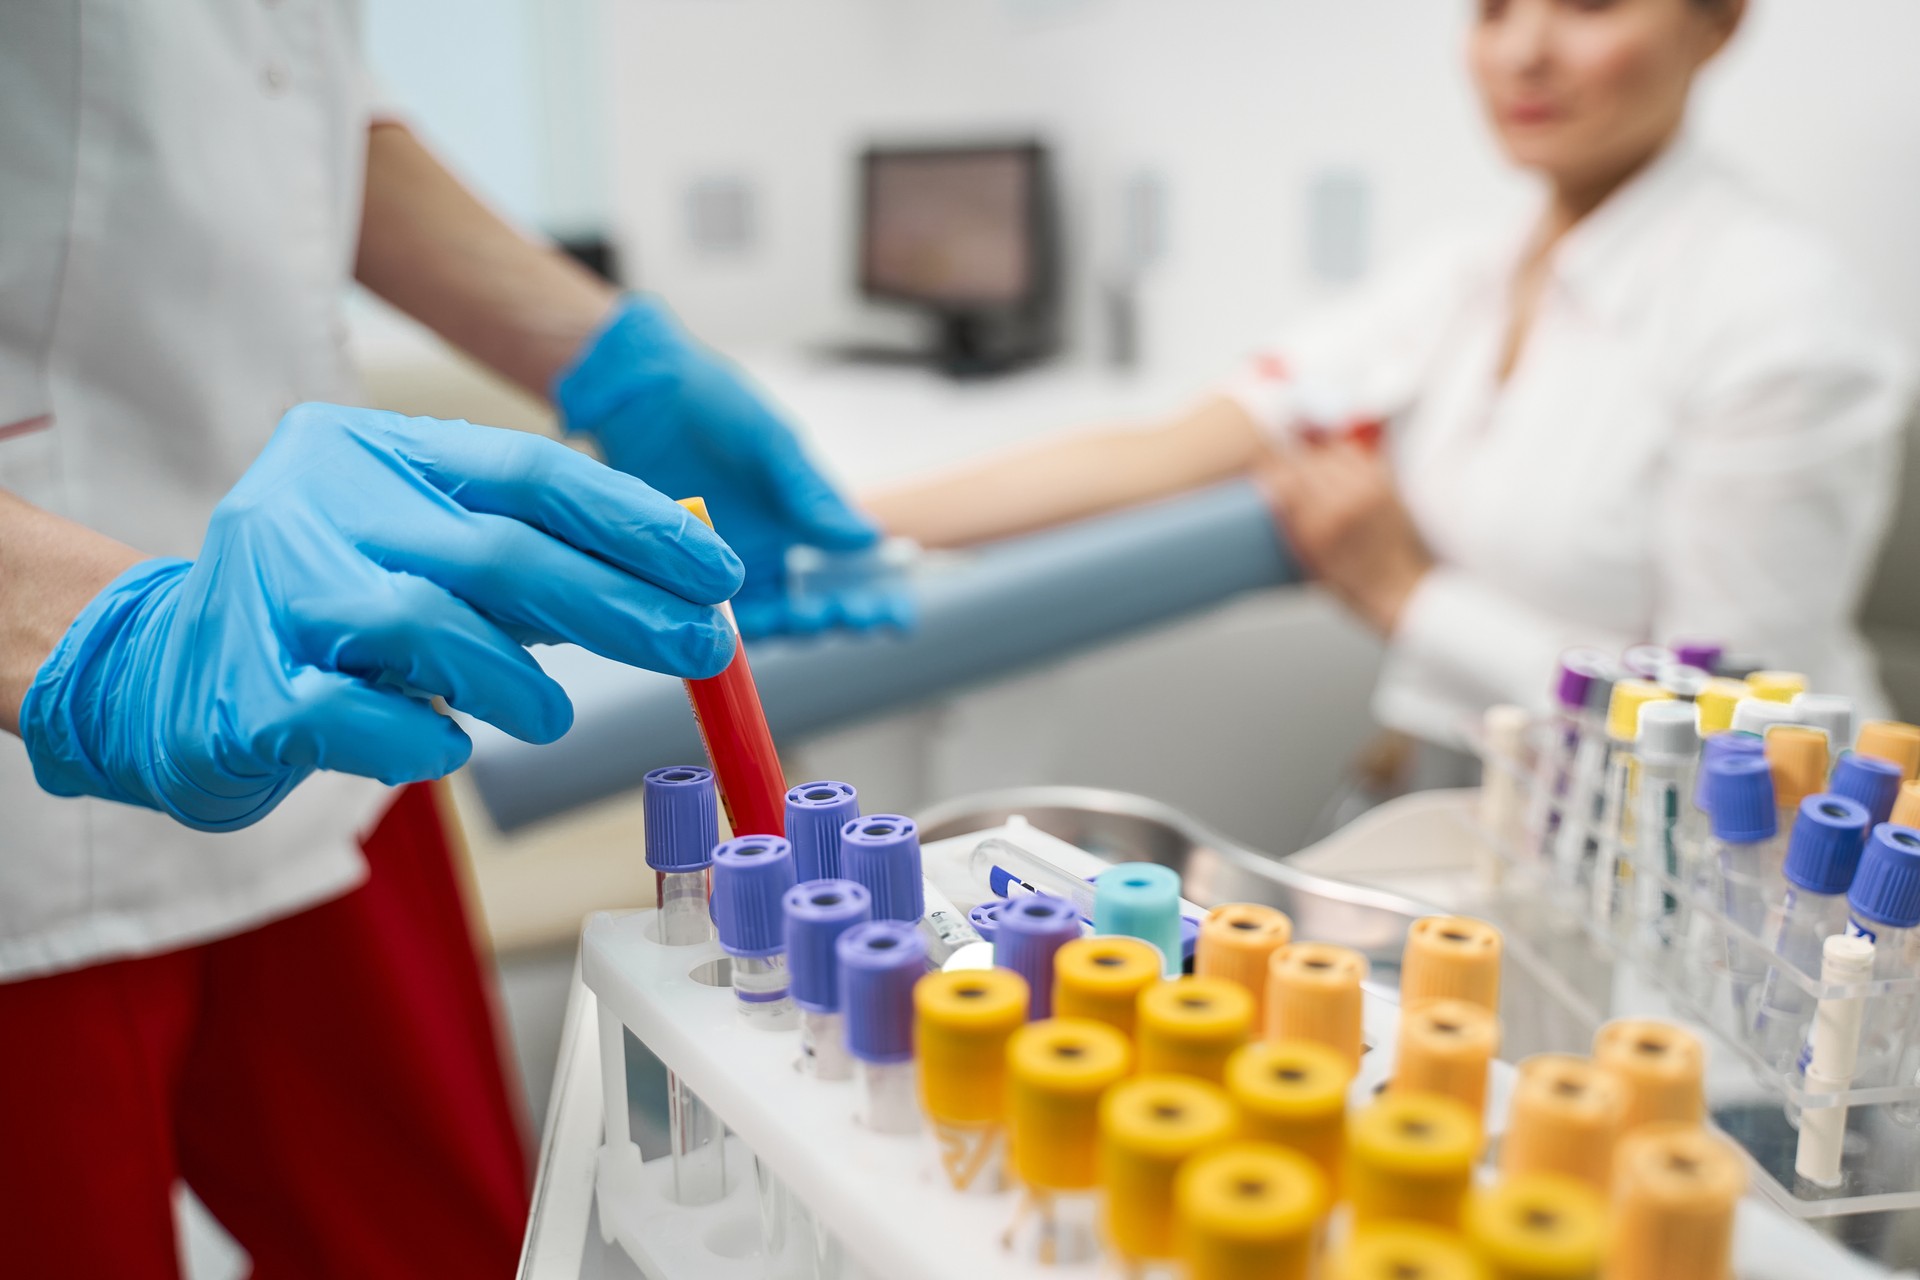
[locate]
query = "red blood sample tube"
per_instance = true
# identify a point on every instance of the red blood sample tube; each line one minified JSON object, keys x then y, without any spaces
{"x":726,"y":707}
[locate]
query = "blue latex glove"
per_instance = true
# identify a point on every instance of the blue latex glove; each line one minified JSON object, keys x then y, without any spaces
{"x":665,"y":408}
{"x":365,"y":562}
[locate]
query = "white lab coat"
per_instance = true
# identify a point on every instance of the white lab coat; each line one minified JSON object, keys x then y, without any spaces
{"x":1699,"y":441}
{"x":177,"y":223}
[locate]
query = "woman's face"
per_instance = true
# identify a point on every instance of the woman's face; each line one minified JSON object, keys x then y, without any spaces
{"x":1585,"y":90}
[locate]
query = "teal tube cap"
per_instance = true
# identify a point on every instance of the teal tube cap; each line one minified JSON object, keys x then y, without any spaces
{"x":1141,"y":900}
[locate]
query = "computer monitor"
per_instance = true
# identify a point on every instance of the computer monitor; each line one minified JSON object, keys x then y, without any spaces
{"x":966,"y":233}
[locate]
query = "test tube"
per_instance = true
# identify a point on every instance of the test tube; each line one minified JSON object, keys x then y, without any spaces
{"x":1028,"y":934}
{"x":817,"y":913}
{"x":1191,"y":1026}
{"x":1410,"y":1157}
{"x":1797,"y":755}
{"x":879,"y":963}
{"x":1833,"y":1048}
{"x":1675,"y":1190}
{"x":1313,"y":993}
{"x":1102,"y":978}
{"x":1579,"y":811}
{"x":1405,"y":1251}
{"x":1777,"y":686}
{"x":1809,"y":906}
{"x":1141,"y":900}
{"x":882,"y":852}
{"x":1444,"y":1048}
{"x":1892,"y":740}
{"x":1058,"y":1070}
{"x":1748,"y":852}
{"x":1237,"y":942}
{"x":1614,"y":847}
{"x":1555,"y":772}
{"x":1873,"y":782}
{"x":1883,"y":906}
{"x":726,"y":709}
{"x":682,"y":825}
{"x":1007,"y":870}
{"x":1660,"y":1066}
{"x":1451,"y":958}
{"x":751,"y":876}
{"x":815,"y":813}
{"x":963,"y":1023}
{"x":1249,"y":1209}
{"x":1149,"y":1125}
{"x":1539,"y":1226}
{"x":1293,"y":1093}
{"x":1668,"y":744}
{"x":1695,"y":827}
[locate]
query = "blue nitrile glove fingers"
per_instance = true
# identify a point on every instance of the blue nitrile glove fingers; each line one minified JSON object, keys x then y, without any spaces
{"x":666,"y":409}
{"x":363,"y":565}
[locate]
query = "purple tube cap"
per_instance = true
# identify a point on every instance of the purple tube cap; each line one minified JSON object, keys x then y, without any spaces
{"x":817,"y":913}
{"x":1740,"y":799}
{"x":751,"y":876}
{"x":985,"y":918}
{"x":879,"y":963}
{"x":1699,"y":653}
{"x":815,"y":813}
{"x":1579,"y":670}
{"x":882,"y":852}
{"x":681,"y":816}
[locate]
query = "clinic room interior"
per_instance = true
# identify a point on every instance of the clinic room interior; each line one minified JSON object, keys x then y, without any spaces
{"x":1259,"y":422}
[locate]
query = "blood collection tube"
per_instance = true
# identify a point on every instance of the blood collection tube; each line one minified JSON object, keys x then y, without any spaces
{"x":1748,"y":850}
{"x":815,"y":813}
{"x":682,"y":825}
{"x":1695,"y":826}
{"x":1405,"y":1251}
{"x":1668,"y":749}
{"x":1872,"y":782}
{"x":1149,"y":1125}
{"x":751,"y":876}
{"x":1451,"y":958}
{"x":963,"y":1022}
{"x":1444,"y":1048}
{"x":1293,"y":1093}
{"x":1776,"y":686}
{"x":1237,"y":942}
{"x":1892,"y":740}
{"x":879,"y":963}
{"x":726,"y":709}
{"x":882,"y":852}
{"x":1191,"y":1026}
{"x":1027,"y":936}
{"x":1575,"y":839}
{"x":1249,"y":1209}
{"x":1566,"y":752}
{"x":1410,"y":1157}
{"x":1883,"y":906}
{"x":1008,"y":870}
{"x":1675,"y":1189}
{"x":1565,"y":1117}
{"x":1661,"y":1066}
{"x":817,"y":913}
{"x":1313,"y":993}
{"x":1809,"y":906}
{"x":1141,"y":900}
{"x":1614,"y":844}
{"x":1058,"y":1069}
{"x":1102,"y":978}
{"x":1539,"y":1226}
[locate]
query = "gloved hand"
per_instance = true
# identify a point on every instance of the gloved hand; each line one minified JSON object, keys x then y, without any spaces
{"x":365,"y":562}
{"x":665,"y":408}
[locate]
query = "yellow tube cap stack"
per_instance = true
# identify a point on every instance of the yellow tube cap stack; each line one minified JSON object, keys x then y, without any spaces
{"x":1674,"y":1192}
{"x":1540,"y":1226}
{"x":1451,"y":958}
{"x":1149,"y":1125}
{"x":1893,"y":740}
{"x":1313,"y":993}
{"x":1102,"y":978}
{"x":962,"y":1021}
{"x":1445,"y":1047}
{"x":1057,"y":1070}
{"x":1798,"y":757}
{"x":1623,"y":707}
{"x":1405,"y":1251}
{"x":1236,"y":943}
{"x":1565,"y":1117}
{"x":1410,"y":1157}
{"x":1716,"y":701}
{"x":1191,"y":1026}
{"x":1249,"y":1209}
{"x":1661,"y":1066}
{"x":1294,"y":1093}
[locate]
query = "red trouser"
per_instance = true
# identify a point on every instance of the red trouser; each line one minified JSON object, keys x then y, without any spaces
{"x":329,"y":1084}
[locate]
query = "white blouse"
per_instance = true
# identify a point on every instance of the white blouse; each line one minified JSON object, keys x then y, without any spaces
{"x":1699,"y":441}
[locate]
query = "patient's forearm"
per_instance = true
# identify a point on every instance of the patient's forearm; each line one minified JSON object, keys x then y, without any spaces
{"x":1069,"y":478}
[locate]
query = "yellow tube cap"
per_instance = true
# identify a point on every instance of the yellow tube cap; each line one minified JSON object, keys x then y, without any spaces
{"x":1191,"y":1025}
{"x":1451,"y":958}
{"x":1661,"y":1066}
{"x":1776,"y":686}
{"x":1893,"y":740}
{"x":1565,"y":1116}
{"x":1406,"y":1251}
{"x":1293,"y":1093}
{"x":1249,"y":1209}
{"x":699,"y":508}
{"x":1102,"y":978}
{"x":1539,"y":1226}
{"x":961,"y":1024}
{"x":1057,"y":1069}
{"x":1716,"y":700}
{"x":1313,"y":993}
{"x":1410,"y":1157}
{"x":1623,"y":707}
{"x":1236,"y":943}
{"x":1674,"y":1192}
{"x":1445,"y":1047}
{"x":1798,"y":758}
{"x":1906,"y":807}
{"x":1149,"y":1125}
